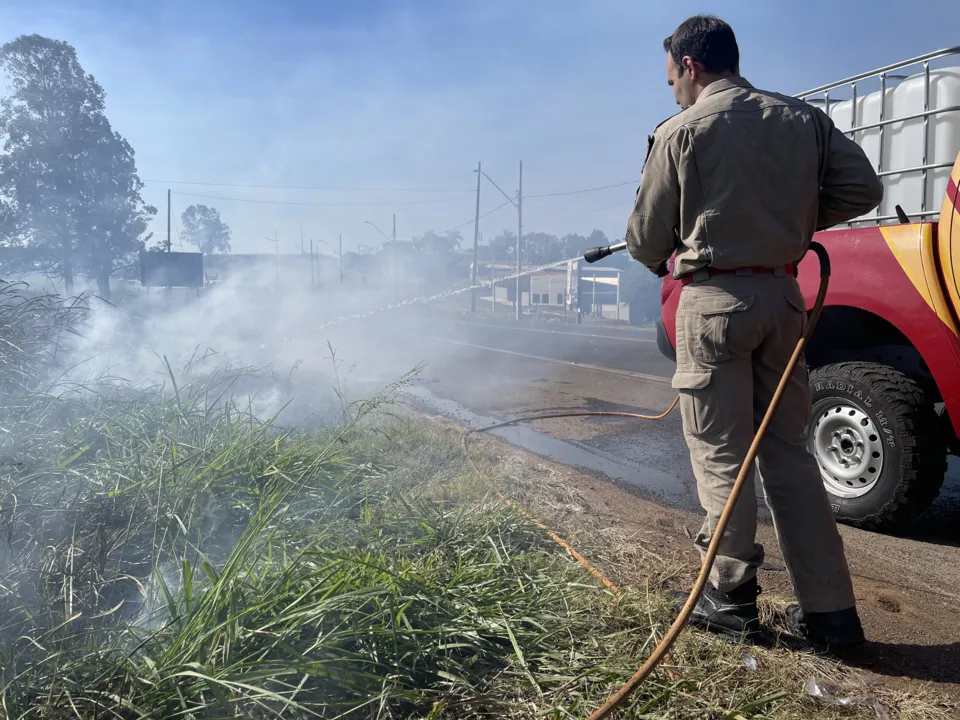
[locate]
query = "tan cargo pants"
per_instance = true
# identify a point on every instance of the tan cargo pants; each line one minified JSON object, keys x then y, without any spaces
{"x":735,"y":335}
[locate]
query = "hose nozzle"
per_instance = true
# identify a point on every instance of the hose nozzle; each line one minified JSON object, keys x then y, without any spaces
{"x":598,"y":253}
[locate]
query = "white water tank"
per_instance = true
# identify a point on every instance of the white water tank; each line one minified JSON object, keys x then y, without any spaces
{"x":903,"y":141}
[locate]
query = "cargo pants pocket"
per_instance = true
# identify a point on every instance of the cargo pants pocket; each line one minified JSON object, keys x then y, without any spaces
{"x":712,"y":323}
{"x":795,"y":302}
{"x":699,"y":402}
{"x":797,"y":310}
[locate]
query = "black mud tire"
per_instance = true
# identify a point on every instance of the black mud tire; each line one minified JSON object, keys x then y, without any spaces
{"x":914,"y":450}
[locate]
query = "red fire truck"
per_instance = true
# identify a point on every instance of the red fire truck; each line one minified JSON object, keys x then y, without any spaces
{"x":884,"y":359}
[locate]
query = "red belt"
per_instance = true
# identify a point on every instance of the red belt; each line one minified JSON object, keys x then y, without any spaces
{"x":711,"y":272}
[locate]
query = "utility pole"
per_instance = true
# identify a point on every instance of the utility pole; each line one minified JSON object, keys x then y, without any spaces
{"x":301,"y":239}
{"x":518,"y":204}
{"x":476,"y":240}
{"x":169,"y":236}
{"x":311,"y":262}
{"x":340,"y":252}
{"x":276,"y":244}
{"x":519,"y":234}
{"x":394,"y":258}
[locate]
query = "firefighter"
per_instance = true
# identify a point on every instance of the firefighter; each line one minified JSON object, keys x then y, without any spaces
{"x":736,"y":183}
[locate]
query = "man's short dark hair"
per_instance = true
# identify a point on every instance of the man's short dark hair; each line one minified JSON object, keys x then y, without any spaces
{"x":708,"y":40}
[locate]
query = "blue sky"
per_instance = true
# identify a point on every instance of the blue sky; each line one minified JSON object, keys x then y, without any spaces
{"x":383,"y":96}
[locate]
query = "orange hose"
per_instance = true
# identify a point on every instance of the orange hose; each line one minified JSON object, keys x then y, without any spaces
{"x":583,"y":413}
{"x":570,"y":549}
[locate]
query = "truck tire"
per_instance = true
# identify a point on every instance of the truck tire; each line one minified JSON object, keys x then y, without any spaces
{"x":877,"y":441}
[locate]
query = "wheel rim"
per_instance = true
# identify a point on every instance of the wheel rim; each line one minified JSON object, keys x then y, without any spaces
{"x":848,"y":448}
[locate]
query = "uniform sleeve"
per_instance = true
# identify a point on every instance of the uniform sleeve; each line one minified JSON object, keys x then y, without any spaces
{"x":650,"y":235}
{"x":849,"y":186}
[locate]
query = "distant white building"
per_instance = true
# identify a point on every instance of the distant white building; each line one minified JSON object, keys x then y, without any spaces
{"x":599,"y":290}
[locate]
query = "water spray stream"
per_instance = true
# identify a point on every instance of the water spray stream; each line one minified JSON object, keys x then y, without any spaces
{"x":444,"y":294}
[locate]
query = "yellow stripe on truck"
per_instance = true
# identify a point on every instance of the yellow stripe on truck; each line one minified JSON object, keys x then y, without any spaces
{"x":948,"y":235}
{"x":914,"y":249}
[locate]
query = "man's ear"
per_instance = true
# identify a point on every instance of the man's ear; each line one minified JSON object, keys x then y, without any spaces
{"x":689,"y":65}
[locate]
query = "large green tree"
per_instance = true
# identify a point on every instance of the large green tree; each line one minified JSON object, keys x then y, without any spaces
{"x":203,"y":228}
{"x":68,"y":181}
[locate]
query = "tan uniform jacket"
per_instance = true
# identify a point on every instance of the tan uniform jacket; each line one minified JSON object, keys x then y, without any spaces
{"x":743,"y":178}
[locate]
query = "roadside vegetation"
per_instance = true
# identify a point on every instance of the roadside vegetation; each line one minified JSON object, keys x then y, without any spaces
{"x":165,"y":552}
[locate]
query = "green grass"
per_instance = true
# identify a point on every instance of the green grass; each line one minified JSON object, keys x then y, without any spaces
{"x":165,"y":553}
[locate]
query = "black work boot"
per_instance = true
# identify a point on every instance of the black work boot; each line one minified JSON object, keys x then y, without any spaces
{"x":733,"y":614}
{"x":840,"y":628}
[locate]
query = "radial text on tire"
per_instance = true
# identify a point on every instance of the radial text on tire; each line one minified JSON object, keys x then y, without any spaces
{"x":878,"y":443}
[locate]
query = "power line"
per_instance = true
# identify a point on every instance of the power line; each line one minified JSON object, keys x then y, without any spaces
{"x":320,"y":204}
{"x":546,"y":195}
{"x":359,"y":189}
{"x":381,"y":204}
{"x":577,"y":192}
{"x":461,"y":225}
{"x":588,"y":212}
{"x":300,"y":187}
{"x":489,"y":212}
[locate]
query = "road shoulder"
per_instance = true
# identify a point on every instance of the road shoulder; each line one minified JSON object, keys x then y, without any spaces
{"x":913,"y":629}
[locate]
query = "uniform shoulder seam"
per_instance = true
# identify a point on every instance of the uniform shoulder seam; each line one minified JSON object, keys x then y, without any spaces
{"x":686,"y":122}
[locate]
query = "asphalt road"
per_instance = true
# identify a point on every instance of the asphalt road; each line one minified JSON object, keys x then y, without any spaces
{"x":486,"y":370}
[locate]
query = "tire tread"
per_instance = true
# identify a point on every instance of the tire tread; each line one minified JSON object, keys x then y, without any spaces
{"x":918,"y":433}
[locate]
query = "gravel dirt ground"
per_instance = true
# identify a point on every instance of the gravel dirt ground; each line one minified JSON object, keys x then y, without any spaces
{"x":911,"y":623}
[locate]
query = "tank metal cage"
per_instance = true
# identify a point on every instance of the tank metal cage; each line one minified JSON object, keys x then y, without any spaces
{"x":821,"y":96}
